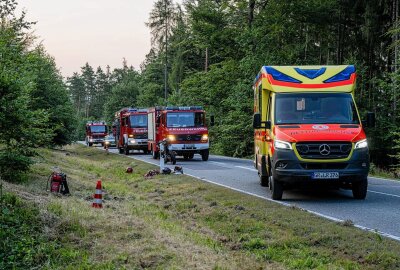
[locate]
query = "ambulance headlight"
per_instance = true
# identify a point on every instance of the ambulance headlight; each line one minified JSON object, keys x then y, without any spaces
{"x":282,"y":145}
{"x":361,"y":144}
{"x":132,"y":141}
{"x":204,"y":137}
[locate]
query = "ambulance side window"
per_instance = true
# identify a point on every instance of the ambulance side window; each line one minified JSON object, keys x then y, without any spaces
{"x":269,"y":116}
{"x":260,"y":98}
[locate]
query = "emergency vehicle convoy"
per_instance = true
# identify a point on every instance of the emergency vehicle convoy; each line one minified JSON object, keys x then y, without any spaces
{"x":308,"y":130}
{"x":95,"y":132}
{"x":130,"y":130}
{"x":183,"y":127}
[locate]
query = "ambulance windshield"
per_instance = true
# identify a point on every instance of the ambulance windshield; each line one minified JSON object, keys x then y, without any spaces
{"x":315,"y":108}
{"x":185,"y":119}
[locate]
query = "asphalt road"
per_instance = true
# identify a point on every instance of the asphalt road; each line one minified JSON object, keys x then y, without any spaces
{"x":379,"y":212}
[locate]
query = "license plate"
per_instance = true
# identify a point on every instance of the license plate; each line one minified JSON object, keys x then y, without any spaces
{"x":325,"y":175}
{"x":188,"y":146}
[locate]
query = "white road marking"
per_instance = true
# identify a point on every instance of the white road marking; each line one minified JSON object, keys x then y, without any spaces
{"x":224,"y":165}
{"x":383,"y":193}
{"x":219,"y":163}
{"x":394,"y":237}
{"x":385,"y":179}
{"x":247,"y":168}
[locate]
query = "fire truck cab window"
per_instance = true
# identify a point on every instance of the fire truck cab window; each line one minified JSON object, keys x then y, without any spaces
{"x":185,"y":119}
{"x":138,"y":121}
{"x":98,"y":129}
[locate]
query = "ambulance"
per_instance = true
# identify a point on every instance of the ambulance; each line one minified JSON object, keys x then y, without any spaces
{"x":307,"y":130}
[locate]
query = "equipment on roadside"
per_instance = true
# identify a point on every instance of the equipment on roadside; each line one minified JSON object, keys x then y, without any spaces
{"x":178,"y":169}
{"x":58,"y":183}
{"x":151,"y":173}
{"x":166,"y":170}
{"x":165,"y":153}
{"x":98,"y":196}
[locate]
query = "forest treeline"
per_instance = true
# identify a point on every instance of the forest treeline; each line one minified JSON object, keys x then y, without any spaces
{"x":35,"y":107}
{"x":213,"y":49}
{"x":208,"y":52}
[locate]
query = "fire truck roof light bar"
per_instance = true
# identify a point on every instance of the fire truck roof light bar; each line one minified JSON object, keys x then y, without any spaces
{"x":187,"y":108}
{"x":133,"y":110}
{"x":95,"y":123}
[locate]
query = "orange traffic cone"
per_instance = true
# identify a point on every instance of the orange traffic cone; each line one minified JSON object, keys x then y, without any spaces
{"x":98,"y":196}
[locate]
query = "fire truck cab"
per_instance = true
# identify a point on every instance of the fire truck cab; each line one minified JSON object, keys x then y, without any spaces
{"x":130,"y":128}
{"x":183,"y":127}
{"x":96,"y":131}
{"x":307,"y":130}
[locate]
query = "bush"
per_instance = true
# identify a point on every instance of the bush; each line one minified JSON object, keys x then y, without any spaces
{"x":20,"y":240}
{"x":13,"y":165}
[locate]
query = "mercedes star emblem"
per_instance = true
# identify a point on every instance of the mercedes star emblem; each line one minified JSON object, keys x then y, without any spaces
{"x":324,"y":149}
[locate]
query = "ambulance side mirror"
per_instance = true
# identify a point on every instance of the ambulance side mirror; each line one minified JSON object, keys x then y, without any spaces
{"x":256,"y":120}
{"x":257,"y":123}
{"x":212,"y":120}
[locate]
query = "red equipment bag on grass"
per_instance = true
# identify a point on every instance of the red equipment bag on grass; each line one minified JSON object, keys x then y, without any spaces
{"x":58,"y":183}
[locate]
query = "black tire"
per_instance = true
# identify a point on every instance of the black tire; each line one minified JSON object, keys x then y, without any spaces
{"x":126,"y":149}
{"x":276,"y":188}
{"x":120,"y":150}
{"x":186,"y":156}
{"x":205,"y":154}
{"x":264,"y":181}
{"x":191,"y":155}
{"x":173,"y":159}
{"x":90,"y":144}
{"x":264,"y":178}
{"x":154,"y":154}
{"x":145,"y":151}
{"x":360,"y":189}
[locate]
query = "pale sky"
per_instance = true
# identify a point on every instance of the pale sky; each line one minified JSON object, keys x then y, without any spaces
{"x":100,"y":32}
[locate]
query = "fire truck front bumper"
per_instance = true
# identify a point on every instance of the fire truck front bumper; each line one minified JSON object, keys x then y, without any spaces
{"x":190,"y":147}
{"x":96,"y":140}
{"x":137,"y":143}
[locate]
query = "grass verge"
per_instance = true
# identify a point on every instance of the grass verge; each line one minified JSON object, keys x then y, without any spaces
{"x":177,"y":222}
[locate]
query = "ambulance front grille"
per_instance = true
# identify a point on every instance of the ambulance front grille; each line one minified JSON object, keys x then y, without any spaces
{"x":324,"y":150}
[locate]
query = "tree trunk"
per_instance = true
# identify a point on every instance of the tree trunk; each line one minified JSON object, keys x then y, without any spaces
{"x":396,"y":55}
{"x":250,"y":18}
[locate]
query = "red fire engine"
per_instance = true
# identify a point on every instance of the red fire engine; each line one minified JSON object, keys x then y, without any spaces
{"x":130,"y":128}
{"x":183,"y":127}
{"x":95,"y":132}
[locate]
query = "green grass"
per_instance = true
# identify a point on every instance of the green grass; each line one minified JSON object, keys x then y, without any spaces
{"x":379,"y":172}
{"x":177,"y":222}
